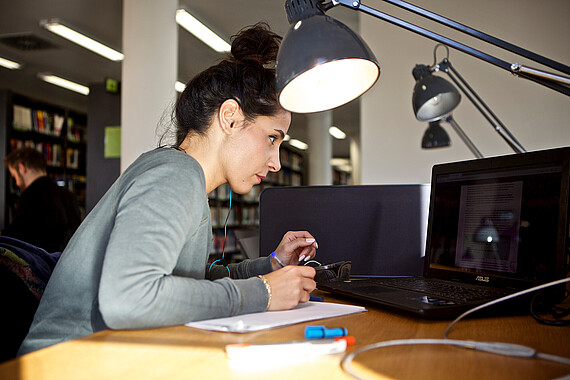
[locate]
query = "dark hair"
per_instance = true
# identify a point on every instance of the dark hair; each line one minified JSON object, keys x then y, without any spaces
{"x":246,"y":75}
{"x":29,"y":157}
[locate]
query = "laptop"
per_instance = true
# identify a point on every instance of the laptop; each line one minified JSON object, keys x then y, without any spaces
{"x":361,"y":224}
{"x":496,"y":226}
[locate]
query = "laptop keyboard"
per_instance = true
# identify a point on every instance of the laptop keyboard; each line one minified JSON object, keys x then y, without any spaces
{"x":441,"y":289}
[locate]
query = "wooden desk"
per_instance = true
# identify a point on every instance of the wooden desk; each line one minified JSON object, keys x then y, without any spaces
{"x":185,"y":353}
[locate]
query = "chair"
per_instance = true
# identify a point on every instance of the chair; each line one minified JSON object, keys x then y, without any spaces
{"x":24,"y":274}
{"x":18,"y":308}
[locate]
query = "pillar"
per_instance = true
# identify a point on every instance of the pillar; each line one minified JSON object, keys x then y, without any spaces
{"x":149,"y":72}
{"x":320,"y":148}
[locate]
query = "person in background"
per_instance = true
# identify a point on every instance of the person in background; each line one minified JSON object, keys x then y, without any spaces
{"x":140,"y":258}
{"x":46,"y":214}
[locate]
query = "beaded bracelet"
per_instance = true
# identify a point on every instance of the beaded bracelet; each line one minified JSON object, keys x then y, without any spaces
{"x":268,"y":287}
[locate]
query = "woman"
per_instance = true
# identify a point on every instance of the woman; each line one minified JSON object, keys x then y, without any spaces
{"x":139,"y":260}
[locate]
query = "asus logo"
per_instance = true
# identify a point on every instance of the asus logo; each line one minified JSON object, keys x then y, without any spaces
{"x":482,"y":278}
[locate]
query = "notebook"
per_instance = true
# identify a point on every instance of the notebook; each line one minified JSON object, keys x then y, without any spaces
{"x":363,"y":224}
{"x":496,"y":225}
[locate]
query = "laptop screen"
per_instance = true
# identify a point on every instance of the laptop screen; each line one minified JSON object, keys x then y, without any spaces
{"x":501,"y":219}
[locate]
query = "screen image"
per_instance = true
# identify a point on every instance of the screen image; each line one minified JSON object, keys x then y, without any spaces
{"x":497,"y":222}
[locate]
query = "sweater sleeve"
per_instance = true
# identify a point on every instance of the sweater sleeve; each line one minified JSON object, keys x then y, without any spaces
{"x":244,"y":269}
{"x":156,"y":216}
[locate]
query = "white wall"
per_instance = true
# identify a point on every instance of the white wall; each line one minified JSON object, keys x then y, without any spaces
{"x":537,"y":116}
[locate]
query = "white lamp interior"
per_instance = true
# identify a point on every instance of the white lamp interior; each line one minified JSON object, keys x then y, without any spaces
{"x":329,"y":85}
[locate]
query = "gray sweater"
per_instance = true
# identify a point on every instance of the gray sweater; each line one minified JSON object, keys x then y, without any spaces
{"x":139,"y":259}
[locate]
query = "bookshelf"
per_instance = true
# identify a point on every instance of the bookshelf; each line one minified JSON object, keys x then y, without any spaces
{"x":60,"y":134}
{"x":341,"y":177}
{"x":245,"y":207}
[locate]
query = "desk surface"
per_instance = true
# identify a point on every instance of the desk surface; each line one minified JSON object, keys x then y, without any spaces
{"x":185,"y":353}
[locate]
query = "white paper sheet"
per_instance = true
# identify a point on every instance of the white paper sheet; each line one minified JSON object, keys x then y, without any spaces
{"x":260,"y":321}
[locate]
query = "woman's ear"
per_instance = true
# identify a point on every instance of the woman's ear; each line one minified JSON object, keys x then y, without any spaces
{"x":229,"y":115}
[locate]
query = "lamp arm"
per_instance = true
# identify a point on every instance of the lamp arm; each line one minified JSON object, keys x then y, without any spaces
{"x":357,"y":5}
{"x":463,"y":136}
{"x":481,"y":35}
{"x":525,"y":70}
{"x":481,"y":106}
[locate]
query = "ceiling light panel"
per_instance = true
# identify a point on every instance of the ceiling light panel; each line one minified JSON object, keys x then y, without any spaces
{"x":200,"y":31}
{"x":179,"y":86}
{"x":10,"y":64}
{"x":337,"y":133}
{"x":64,"y":83}
{"x":57,"y":27}
{"x":298,"y":144}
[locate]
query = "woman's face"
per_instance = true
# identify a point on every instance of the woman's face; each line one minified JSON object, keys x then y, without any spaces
{"x":255,"y":151}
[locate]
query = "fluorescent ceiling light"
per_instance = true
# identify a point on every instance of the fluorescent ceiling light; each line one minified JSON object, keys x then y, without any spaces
{"x":342,"y":164}
{"x":10,"y":64}
{"x":55,"y":26}
{"x":344,"y":168}
{"x":179,"y":86}
{"x":188,"y":22}
{"x":337,"y":133}
{"x":84,"y":90}
{"x":337,"y":161}
{"x":287,"y":138}
{"x":298,"y":144}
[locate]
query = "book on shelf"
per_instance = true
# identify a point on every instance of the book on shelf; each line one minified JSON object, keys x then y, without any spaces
{"x":223,"y":192}
{"x":52,"y":152}
{"x":218,"y":245}
{"x":36,"y":120}
{"x":291,"y":159}
{"x":75,"y":132}
{"x":250,"y":215}
{"x":58,"y":121}
{"x":72,"y":158}
{"x":252,"y":195}
{"x":22,"y":119}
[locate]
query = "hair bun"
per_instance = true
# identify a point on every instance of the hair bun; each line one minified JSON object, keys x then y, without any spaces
{"x":255,"y":44}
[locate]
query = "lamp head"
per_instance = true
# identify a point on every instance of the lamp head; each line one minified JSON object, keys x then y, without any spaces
{"x":433,"y":97}
{"x":435,"y":136}
{"x":321,"y":63}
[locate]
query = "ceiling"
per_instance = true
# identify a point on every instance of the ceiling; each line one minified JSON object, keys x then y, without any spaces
{"x":23,"y":40}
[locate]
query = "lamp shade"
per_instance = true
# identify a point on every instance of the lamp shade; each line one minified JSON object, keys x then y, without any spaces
{"x":321,"y":63}
{"x":433,"y":96}
{"x":435,"y":136}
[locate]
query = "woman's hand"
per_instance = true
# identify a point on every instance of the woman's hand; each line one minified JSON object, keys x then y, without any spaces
{"x":295,"y":246}
{"x":290,"y":286}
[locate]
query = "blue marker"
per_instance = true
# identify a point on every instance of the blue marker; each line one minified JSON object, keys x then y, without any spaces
{"x":316,"y":299}
{"x":279,"y":261}
{"x":319,"y":332}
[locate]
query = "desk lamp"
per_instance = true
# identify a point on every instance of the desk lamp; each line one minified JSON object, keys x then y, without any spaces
{"x":435,"y":136}
{"x":434,"y":98}
{"x":322,"y":64}
{"x":314,"y":57}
